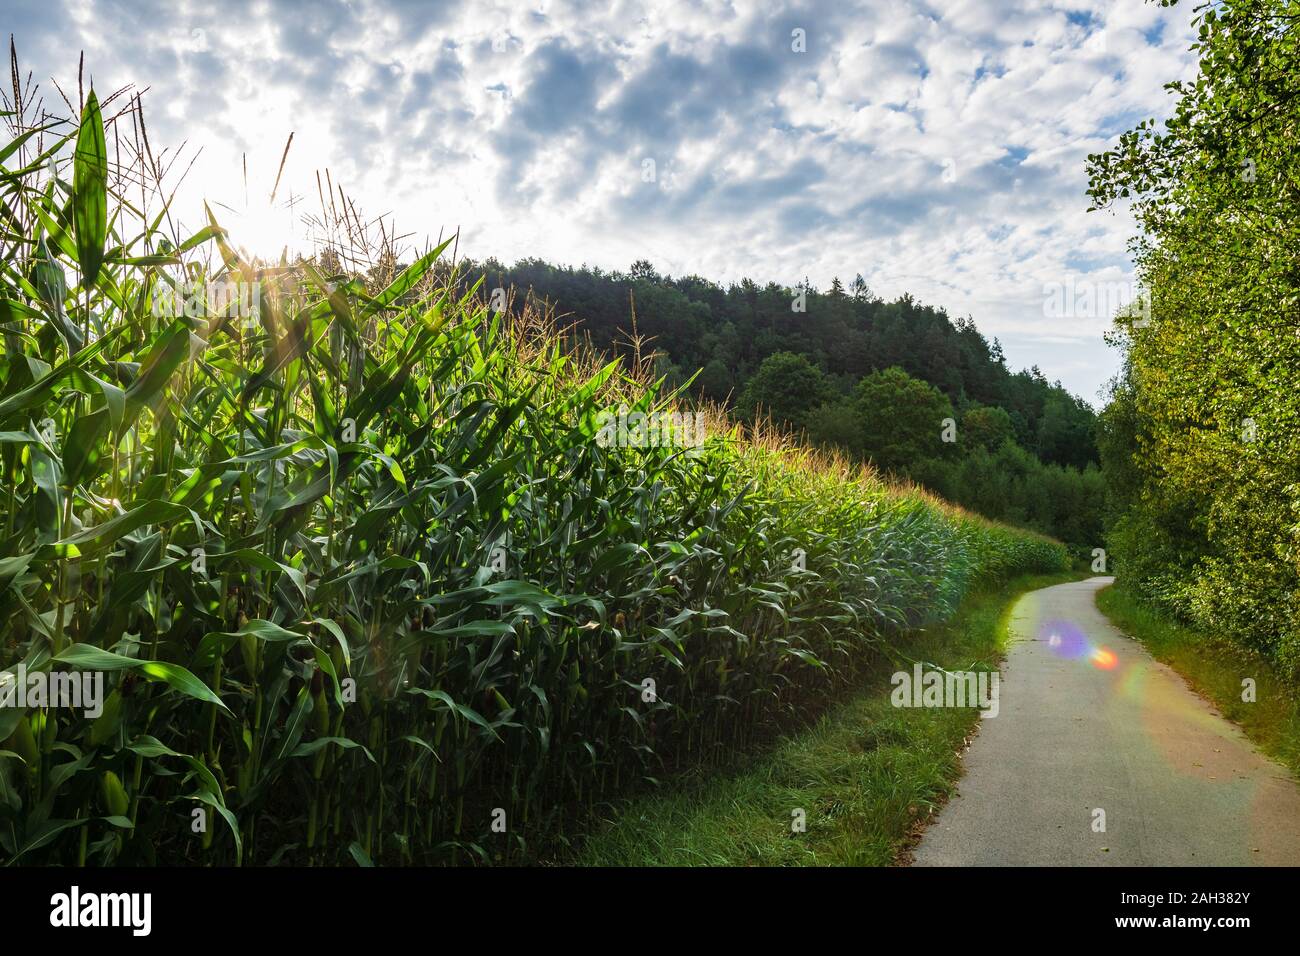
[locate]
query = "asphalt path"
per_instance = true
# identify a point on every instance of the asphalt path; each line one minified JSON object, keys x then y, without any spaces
{"x":1088,"y":721}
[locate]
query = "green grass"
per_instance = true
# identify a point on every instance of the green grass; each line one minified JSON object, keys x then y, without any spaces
{"x":1215,"y":667}
{"x":866,"y":774}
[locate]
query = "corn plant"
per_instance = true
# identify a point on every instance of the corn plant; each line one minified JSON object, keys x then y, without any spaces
{"x":361,"y":581}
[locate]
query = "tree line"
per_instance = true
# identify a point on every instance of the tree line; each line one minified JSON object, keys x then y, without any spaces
{"x":897,"y":383}
{"x":1200,"y":442}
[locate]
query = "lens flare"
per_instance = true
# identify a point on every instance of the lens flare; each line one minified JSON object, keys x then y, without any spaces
{"x":1065,"y":639}
{"x":1104,"y":658}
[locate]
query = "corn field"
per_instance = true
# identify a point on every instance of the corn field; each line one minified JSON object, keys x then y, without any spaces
{"x":360,"y":580}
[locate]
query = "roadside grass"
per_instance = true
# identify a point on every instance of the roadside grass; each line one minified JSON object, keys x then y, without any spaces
{"x":1215,"y":667}
{"x":867,"y":775}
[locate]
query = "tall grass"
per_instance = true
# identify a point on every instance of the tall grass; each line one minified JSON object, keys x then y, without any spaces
{"x":362,"y":582}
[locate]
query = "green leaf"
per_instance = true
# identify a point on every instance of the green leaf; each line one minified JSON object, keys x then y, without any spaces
{"x":410,"y":277}
{"x":156,"y":370}
{"x":90,"y":191}
{"x":360,"y":855}
{"x":204,"y":796}
{"x":83,"y":449}
{"x":320,"y":743}
{"x":90,"y":658}
{"x":293,"y":729}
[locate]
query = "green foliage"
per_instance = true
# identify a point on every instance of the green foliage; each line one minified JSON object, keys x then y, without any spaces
{"x":837,"y":425}
{"x":1065,"y":431}
{"x":716,"y":382}
{"x":986,"y":427}
{"x":1202,"y":439}
{"x":736,"y":328}
{"x":803,"y":368}
{"x":357,"y":573}
{"x":901,"y":419}
{"x":1009,"y":484}
{"x":786,"y":387}
{"x":897,"y":422}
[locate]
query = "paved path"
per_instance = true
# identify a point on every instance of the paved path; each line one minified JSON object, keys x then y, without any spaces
{"x":1179,"y":784}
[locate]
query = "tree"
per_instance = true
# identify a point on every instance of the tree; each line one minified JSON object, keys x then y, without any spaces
{"x":901,"y":420}
{"x":1065,"y":431}
{"x":786,"y":387}
{"x":728,"y":333}
{"x":1211,"y":396}
{"x":860,"y":290}
{"x":983,"y":426}
{"x":836,"y":425}
{"x":644,"y":269}
{"x":715,"y":380}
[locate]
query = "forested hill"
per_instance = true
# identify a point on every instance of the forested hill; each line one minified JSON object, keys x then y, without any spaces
{"x":853,"y":370}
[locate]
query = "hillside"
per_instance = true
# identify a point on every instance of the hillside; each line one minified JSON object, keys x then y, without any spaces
{"x":873,"y":379}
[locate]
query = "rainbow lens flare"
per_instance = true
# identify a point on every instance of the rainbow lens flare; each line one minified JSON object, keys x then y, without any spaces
{"x":1066,"y":639}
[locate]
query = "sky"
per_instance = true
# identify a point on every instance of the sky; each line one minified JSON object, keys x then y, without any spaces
{"x":935,"y":148}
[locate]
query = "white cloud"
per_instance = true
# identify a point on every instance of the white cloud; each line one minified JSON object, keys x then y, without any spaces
{"x":935,"y":147}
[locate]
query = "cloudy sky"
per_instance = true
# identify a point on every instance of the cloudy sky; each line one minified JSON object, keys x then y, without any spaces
{"x":936,"y":148}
